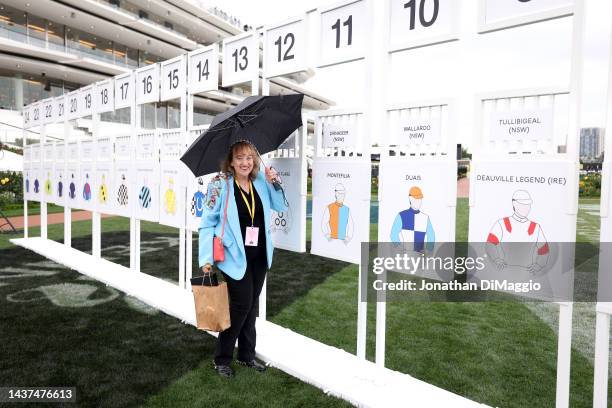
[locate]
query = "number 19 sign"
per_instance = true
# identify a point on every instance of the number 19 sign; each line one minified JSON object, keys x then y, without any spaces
{"x":342,"y":32}
{"x":285,"y":48}
{"x":240,"y":58}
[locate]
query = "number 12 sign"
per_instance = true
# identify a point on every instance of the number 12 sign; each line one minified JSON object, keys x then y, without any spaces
{"x":342,"y":32}
{"x":240,"y":59}
{"x":285,"y":48}
{"x":203,"y":69}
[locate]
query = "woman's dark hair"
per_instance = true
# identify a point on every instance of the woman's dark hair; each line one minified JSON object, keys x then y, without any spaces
{"x":226,"y":166}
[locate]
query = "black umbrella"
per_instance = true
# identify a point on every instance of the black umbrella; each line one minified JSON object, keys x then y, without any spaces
{"x":265,"y":121}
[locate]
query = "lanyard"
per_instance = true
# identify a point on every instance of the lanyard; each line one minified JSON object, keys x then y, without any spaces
{"x":251,"y":211}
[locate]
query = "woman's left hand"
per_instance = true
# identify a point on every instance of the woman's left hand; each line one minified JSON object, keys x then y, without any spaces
{"x":271,"y":174}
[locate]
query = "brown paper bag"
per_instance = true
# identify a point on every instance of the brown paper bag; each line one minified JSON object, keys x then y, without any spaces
{"x":212,"y":307}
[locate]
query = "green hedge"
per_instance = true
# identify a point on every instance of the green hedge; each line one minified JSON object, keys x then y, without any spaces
{"x":11,"y":192}
{"x":590,"y":185}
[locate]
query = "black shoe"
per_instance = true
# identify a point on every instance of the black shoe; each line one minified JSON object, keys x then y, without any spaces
{"x":253,"y":364}
{"x":224,"y":371}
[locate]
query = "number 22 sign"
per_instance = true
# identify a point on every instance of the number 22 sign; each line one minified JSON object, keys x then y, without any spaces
{"x":240,"y":58}
{"x":342,"y":32}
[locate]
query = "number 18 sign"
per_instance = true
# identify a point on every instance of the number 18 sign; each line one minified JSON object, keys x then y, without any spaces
{"x":203,"y":69}
{"x":285,"y":48}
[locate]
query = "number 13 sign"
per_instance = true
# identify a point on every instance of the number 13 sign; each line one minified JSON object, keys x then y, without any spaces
{"x":342,"y":32}
{"x":240,"y":59}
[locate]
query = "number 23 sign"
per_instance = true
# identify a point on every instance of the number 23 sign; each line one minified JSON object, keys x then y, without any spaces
{"x":240,"y":59}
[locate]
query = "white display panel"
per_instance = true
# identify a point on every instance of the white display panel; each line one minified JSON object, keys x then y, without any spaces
{"x":203,"y":69}
{"x":289,"y":227}
{"x":59,"y":193}
{"x":87,"y":186}
{"x":529,"y":124}
{"x":240,"y":59}
{"x":417,"y":201}
{"x":286,"y":47}
{"x":73,"y":175}
{"x":499,"y":14}
{"x":340,"y":208}
{"x":59,"y":109}
{"x":103,"y":173}
{"x":35,"y":184}
{"x":36,"y":114}
{"x":86,"y":102}
{"x":343,"y":32}
{"x":530,"y":202}
{"x":27,"y":174}
{"x":147,"y":84}
{"x":173,"y":78}
{"x":104,"y":96}
{"x":123,"y":192}
{"x":124,"y":90}
{"x":48,"y":181}
{"x":47,"y":106}
{"x":418,"y":23}
{"x":172,"y":194}
{"x":27,"y":116}
{"x":340,"y":135}
{"x":146,"y":169}
{"x":196,"y":192}
{"x":72,"y":105}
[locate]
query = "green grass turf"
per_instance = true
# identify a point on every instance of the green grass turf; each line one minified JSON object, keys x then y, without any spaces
{"x":496,"y":353}
{"x":33,"y":209}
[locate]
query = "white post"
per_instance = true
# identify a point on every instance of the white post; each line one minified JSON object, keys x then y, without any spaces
{"x":362,"y":315}
{"x":24,"y":135}
{"x":96,"y":246}
{"x":265,"y":90}
{"x":602,"y":355}
{"x":135,"y":111}
{"x":67,"y":209}
{"x":182,"y":230}
{"x":564,"y":353}
{"x":43,"y":198}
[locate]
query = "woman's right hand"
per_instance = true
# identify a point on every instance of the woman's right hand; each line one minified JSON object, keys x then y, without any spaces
{"x":207,"y":268}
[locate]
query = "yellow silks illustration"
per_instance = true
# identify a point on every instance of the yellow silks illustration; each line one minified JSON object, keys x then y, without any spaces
{"x":103,"y":193}
{"x":48,"y":184}
{"x":170,"y":198}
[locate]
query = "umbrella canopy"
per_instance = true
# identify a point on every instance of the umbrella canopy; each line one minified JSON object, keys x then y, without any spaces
{"x":265,"y":121}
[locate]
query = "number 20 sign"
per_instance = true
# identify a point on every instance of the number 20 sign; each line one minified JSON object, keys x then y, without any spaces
{"x":285,"y":48}
{"x":342,"y":32}
{"x":240,"y":58}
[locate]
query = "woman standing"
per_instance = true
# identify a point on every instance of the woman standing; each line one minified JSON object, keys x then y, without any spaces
{"x":247,"y":243}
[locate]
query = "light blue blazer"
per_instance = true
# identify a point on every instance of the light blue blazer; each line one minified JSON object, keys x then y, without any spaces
{"x":234,"y":264}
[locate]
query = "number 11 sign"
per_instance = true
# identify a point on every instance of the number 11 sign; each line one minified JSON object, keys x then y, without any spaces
{"x":342,"y":32}
{"x":285,"y":48}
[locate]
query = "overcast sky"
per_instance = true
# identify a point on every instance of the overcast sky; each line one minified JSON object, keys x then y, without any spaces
{"x":536,"y":55}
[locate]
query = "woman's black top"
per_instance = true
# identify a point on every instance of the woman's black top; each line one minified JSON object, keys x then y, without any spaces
{"x":252,"y":252}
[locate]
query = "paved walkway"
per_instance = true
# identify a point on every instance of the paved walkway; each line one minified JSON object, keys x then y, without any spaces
{"x":55,"y":218}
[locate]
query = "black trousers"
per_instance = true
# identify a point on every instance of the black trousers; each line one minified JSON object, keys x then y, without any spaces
{"x":244,"y":306}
